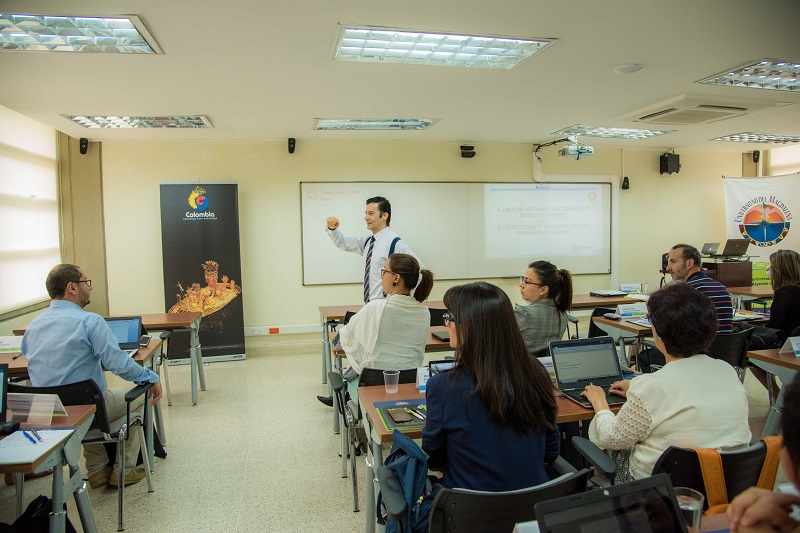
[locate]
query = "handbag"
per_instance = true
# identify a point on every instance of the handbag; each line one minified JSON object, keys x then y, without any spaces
{"x":36,"y":518}
{"x":766,"y":338}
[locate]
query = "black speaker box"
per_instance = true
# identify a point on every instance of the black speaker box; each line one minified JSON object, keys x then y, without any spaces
{"x":670,"y":163}
{"x":83,"y":145}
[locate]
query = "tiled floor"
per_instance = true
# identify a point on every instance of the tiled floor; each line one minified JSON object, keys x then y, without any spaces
{"x":255,"y":455}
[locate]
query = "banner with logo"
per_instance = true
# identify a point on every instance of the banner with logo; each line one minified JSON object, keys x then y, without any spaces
{"x":202,"y":266}
{"x":761,"y":210}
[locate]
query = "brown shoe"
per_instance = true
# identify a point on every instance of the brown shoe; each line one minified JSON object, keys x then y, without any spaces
{"x":100,"y":478}
{"x":134,"y":476}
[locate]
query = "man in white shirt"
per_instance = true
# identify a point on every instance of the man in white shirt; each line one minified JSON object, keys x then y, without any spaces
{"x":375,"y":248}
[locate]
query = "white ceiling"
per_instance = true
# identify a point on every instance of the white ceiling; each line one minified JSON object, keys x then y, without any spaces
{"x":262,"y":70}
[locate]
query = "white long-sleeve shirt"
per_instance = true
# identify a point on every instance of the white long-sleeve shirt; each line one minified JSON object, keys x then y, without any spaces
{"x":380,"y":252}
{"x":694,"y":402}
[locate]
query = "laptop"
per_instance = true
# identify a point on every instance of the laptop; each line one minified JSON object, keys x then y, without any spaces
{"x":607,"y":293}
{"x":581,"y":362}
{"x":734,"y":248}
{"x":644,"y":505}
{"x":443,"y":336}
{"x":709,"y":248}
{"x":127,"y":330}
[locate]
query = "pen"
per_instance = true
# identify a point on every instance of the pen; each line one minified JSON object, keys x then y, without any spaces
{"x":414,"y":413}
{"x":29,"y":437}
{"x":13,"y":358}
{"x":36,"y":434}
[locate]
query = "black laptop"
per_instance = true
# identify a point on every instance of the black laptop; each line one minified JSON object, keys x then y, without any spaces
{"x":645,"y":505}
{"x":127,"y":330}
{"x":581,"y":362}
{"x":443,"y":336}
{"x":734,"y":248}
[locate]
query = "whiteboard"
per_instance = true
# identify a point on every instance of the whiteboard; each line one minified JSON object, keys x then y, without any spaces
{"x":463,"y":230}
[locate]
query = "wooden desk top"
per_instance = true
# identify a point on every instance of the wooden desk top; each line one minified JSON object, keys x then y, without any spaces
{"x":154,"y":321}
{"x":568,"y":411}
{"x":624,"y":325}
{"x":19,"y":366}
{"x":76,"y":415}
{"x":786,"y":360}
{"x":761,"y":291}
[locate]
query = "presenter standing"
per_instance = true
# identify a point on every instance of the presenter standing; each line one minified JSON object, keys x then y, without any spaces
{"x":375,"y":248}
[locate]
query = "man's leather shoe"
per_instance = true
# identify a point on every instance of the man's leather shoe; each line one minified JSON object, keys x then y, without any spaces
{"x":134,"y":476}
{"x":327,"y":400}
{"x":100,"y":478}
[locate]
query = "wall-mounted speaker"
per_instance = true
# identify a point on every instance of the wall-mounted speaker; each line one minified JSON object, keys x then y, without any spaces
{"x":84,"y":145}
{"x":756,"y":156}
{"x":292,"y":144}
{"x":669,"y":163}
{"x":626,"y":184}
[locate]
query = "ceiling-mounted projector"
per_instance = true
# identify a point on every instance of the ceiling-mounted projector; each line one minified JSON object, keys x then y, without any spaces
{"x":576,"y":151}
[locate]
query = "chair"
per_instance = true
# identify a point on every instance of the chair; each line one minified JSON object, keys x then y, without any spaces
{"x":370,"y":377}
{"x":348,"y":432}
{"x":468,"y":511}
{"x":732,"y":348}
{"x":102,"y":430}
{"x":436,"y":316}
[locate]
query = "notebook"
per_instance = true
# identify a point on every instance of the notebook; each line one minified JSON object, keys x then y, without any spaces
{"x":645,"y":505}
{"x":734,"y":248}
{"x":709,"y":248}
{"x":581,"y":362}
{"x":127,"y":330}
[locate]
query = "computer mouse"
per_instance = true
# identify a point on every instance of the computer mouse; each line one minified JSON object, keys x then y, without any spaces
{"x":612,"y":316}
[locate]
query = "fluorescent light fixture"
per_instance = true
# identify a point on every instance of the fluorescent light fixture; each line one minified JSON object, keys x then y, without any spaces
{"x":373,"y":123}
{"x":749,"y":137}
{"x":386,"y":45}
{"x":611,"y":133}
{"x":95,"y":121}
{"x":762,"y":74}
{"x":50,"y":33}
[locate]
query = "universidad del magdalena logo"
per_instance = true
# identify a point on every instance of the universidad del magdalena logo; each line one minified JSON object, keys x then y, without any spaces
{"x":765,"y":220}
{"x":199,"y":202}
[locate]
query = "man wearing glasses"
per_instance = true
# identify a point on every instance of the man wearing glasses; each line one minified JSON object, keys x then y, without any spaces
{"x":66,"y":344}
{"x":375,"y":248}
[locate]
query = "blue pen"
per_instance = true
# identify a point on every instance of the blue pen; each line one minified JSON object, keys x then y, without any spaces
{"x":29,"y":437}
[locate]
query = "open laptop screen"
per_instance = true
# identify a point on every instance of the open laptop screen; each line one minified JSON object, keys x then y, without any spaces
{"x":585,"y":359}
{"x":127,"y":330}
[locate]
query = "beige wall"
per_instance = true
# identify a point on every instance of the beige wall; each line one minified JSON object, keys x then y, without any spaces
{"x":655,"y":213}
{"x":784,"y":160}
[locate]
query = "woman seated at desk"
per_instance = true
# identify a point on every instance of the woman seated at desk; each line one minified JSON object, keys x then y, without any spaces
{"x":693,"y":401}
{"x":390,"y":333}
{"x":491,"y":421}
{"x":548,"y":292}
{"x":784,"y":274}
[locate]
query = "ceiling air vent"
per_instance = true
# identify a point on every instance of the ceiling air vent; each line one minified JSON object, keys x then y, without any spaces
{"x":692,"y":109}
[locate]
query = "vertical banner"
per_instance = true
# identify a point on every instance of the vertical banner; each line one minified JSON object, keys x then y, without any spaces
{"x":761,"y":210}
{"x":202,"y":266}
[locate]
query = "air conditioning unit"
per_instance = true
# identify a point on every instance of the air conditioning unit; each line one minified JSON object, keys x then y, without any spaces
{"x":696,"y":109}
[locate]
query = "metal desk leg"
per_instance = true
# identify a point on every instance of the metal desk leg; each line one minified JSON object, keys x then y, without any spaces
{"x":326,"y":346}
{"x":19,"y":486}
{"x":785,"y":375}
{"x":196,"y":360}
{"x":148,"y":433}
{"x":159,"y":419}
{"x":374,"y":458}
{"x":336,"y":417}
{"x":76,"y":485}
{"x":59,"y":515}
{"x":200,"y":356}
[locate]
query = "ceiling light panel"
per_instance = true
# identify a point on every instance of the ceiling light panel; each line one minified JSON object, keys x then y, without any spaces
{"x":373,"y":123}
{"x":95,"y":121}
{"x":749,"y":137}
{"x":48,"y":33}
{"x":764,"y":74}
{"x":386,"y":45}
{"x":611,"y":133}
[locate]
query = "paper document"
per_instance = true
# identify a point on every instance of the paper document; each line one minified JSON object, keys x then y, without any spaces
{"x":17,"y":448}
{"x":12,"y":344}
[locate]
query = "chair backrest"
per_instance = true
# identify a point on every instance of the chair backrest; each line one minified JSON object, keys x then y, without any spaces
{"x":740,"y":468}
{"x":594,"y":329}
{"x":731,"y":347}
{"x":436,"y":316}
{"x":372,"y":376}
{"x":468,"y":511}
{"x":81,"y":393}
{"x":795,"y":332}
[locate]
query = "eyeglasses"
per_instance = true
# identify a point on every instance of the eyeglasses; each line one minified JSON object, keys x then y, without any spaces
{"x":526,"y":281}
{"x":88,"y":282}
{"x":384,"y":271}
{"x":447,"y":319}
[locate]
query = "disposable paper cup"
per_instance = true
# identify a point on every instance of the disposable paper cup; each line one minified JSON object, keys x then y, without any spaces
{"x":391,"y":378}
{"x":691,"y":503}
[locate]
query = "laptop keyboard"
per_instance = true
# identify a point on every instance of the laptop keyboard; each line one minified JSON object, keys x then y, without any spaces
{"x":131,"y":353}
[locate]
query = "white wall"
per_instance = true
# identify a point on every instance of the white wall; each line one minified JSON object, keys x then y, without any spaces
{"x":655,"y":213}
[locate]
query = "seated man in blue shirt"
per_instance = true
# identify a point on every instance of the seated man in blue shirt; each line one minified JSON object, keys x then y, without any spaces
{"x":66,"y":344}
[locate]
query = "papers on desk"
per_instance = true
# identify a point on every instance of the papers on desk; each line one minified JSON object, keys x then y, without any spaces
{"x":417,"y":405}
{"x":637,"y":296}
{"x":739,"y":314}
{"x":17,"y":448}
{"x":11,"y":344}
{"x":35,"y":408}
{"x":792,"y":346}
{"x":641,"y":322}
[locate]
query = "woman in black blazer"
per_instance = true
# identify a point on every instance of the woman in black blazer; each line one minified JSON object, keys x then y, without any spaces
{"x":784,"y":273}
{"x":491,"y":420}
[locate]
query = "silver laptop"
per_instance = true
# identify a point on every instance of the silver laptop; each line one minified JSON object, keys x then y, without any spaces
{"x":127,"y":330}
{"x":734,"y":248}
{"x":581,"y":362}
{"x":709,"y":248}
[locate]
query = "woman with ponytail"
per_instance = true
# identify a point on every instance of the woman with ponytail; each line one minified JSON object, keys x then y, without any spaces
{"x":390,"y":333}
{"x":548,"y":292}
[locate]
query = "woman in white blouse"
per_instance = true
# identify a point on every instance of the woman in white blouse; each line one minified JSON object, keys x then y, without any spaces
{"x":390,"y":333}
{"x":693,"y":401}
